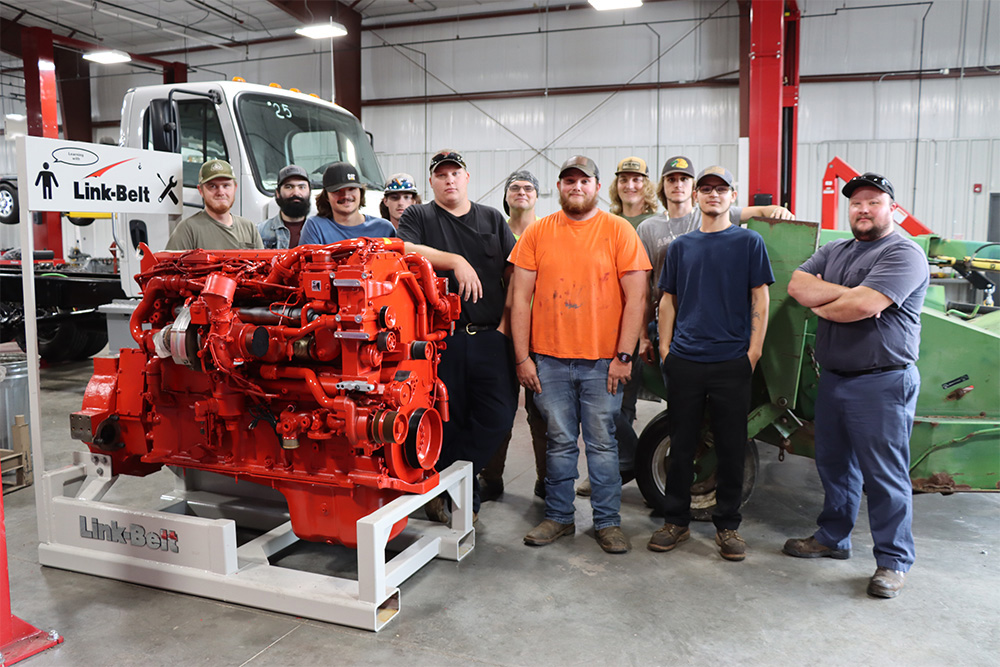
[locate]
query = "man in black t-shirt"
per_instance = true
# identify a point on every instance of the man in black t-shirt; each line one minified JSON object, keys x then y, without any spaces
{"x":469,"y":244}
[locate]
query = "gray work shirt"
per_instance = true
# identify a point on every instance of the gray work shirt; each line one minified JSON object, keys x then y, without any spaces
{"x":894,"y":266}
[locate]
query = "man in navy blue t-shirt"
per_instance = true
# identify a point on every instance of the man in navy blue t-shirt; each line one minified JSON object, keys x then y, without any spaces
{"x":712,"y":320}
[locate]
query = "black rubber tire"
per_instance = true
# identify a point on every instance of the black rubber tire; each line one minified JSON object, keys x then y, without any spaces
{"x":60,"y":342}
{"x":9,"y":206}
{"x":96,"y":340}
{"x":652,"y":460}
{"x":80,"y":222}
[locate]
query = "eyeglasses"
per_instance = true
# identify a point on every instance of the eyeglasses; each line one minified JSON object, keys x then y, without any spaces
{"x":871,"y":178}
{"x":527,"y":189}
{"x":709,"y":189}
{"x":400,"y":184}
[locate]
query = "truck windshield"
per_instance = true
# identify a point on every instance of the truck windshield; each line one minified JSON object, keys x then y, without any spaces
{"x":279,"y":131}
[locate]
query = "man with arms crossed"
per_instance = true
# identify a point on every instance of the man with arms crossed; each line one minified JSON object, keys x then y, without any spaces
{"x":867,"y":292}
{"x":713,"y":317}
{"x":579,"y":291}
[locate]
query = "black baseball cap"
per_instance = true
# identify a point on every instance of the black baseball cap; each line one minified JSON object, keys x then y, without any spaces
{"x":447,"y":155}
{"x":340,"y":175}
{"x":871,"y":179}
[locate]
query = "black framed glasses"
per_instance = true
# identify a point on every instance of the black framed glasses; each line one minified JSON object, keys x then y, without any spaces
{"x":709,"y":189}
{"x":528,"y":189}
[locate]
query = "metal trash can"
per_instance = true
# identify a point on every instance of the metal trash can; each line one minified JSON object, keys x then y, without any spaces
{"x":13,"y":393}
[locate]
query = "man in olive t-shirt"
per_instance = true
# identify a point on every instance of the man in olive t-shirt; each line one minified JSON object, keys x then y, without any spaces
{"x":216,"y":228}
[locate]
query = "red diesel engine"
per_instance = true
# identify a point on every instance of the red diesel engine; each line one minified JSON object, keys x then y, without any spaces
{"x":312,"y":370}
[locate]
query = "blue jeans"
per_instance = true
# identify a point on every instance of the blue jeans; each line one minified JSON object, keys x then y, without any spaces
{"x":863,"y":427}
{"x":575,"y":394}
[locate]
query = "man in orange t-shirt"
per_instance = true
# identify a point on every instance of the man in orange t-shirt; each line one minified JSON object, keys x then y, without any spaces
{"x":579,"y":291}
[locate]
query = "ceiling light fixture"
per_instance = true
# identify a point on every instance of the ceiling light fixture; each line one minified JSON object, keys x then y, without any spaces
{"x":605,"y":5}
{"x":322,"y":30}
{"x":107,"y":57}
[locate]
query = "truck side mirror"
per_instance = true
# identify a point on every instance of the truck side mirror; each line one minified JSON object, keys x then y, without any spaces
{"x":163,"y":125}
{"x":137,"y":232}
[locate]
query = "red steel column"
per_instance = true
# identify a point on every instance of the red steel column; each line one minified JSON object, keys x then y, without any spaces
{"x":40,"y":102}
{"x":766,"y":97}
{"x":790,"y":101}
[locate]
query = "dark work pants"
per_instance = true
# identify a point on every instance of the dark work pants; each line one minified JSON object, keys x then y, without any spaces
{"x":482,"y":399}
{"x":493,"y":472}
{"x":725,"y":388}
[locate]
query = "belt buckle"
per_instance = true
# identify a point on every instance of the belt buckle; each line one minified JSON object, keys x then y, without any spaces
{"x":469,"y":331}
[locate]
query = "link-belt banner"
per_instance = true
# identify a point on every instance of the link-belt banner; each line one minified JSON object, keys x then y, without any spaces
{"x":77,"y":176}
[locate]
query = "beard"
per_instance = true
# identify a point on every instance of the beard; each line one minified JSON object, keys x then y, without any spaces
{"x":576,"y":208}
{"x":294,"y":207}
{"x":873,"y":233}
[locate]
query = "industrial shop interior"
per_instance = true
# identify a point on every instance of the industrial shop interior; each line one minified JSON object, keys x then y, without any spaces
{"x":498,"y":332}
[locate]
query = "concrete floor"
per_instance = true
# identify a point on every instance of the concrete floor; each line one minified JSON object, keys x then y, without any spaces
{"x":567,"y":603}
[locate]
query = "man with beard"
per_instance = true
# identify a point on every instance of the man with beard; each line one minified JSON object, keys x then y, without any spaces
{"x":867,"y":292}
{"x":400,"y":194}
{"x":292,"y":194}
{"x":468,"y":243}
{"x":579,"y":290}
{"x":338,"y":209}
{"x":713,"y":317}
{"x":215,"y":228}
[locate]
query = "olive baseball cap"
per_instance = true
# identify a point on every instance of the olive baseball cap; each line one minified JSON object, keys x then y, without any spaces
{"x":634,"y":165}
{"x":214,"y":169}
{"x":678,"y":164}
{"x":340,"y":175}
{"x":871,"y":179}
{"x":583,"y":163}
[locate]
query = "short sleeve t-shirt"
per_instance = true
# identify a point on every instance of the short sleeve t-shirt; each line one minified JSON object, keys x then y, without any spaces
{"x":892,"y":265}
{"x":481,"y":236}
{"x":321,"y":230}
{"x":201,"y":231}
{"x":578,"y":301}
{"x":712,"y":275}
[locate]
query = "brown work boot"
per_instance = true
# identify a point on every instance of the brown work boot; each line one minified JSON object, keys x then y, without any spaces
{"x":731,"y":545}
{"x":437,"y":510}
{"x":547,"y":532}
{"x":613,"y":540}
{"x":668,"y":537}
{"x":886,"y":583}
{"x":809,"y":547}
{"x":584,"y":489}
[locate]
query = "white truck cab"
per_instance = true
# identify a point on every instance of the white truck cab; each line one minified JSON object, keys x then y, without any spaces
{"x":258,"y":129}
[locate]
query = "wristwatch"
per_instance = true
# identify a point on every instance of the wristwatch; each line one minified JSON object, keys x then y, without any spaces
{"x":624,"y":357}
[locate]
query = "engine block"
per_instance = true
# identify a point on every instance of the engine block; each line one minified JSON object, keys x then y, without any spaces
{"x":311,"y":370}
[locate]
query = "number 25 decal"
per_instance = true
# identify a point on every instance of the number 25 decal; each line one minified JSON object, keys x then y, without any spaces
{"x":282,"y":111}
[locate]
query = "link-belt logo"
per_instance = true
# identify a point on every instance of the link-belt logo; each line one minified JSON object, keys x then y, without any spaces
{"x":134,"y":534}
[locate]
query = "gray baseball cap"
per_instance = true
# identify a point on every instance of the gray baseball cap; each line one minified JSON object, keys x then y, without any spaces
{"x":583,"y":163}
{"x":718,"y":172}
{"x":292,"y":171}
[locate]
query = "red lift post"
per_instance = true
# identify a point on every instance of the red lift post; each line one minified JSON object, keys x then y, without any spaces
{"x":773,"y":100}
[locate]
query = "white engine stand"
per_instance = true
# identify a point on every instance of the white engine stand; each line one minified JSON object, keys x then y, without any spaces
{"x":199,"y":556}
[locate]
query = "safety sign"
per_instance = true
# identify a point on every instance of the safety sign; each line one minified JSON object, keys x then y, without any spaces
{"x":77,"y":176}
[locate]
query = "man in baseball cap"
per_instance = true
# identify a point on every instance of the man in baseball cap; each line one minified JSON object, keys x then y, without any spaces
{"x":400,"y":193}
{"x":292,"y":195}
{"x":632,"y":194}
{"x":338,"y":210}
{"x":468,"y":243}
{"x":215,"y":228}
{"x":578,"y":293}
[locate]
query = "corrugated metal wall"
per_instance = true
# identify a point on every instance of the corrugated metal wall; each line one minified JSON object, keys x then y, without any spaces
{"x":872,"y":125}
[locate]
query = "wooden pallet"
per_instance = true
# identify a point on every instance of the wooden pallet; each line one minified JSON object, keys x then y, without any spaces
{"x":15,"y":463}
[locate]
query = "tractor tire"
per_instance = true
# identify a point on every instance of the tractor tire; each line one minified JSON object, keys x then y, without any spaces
{"x":652,"y":461}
